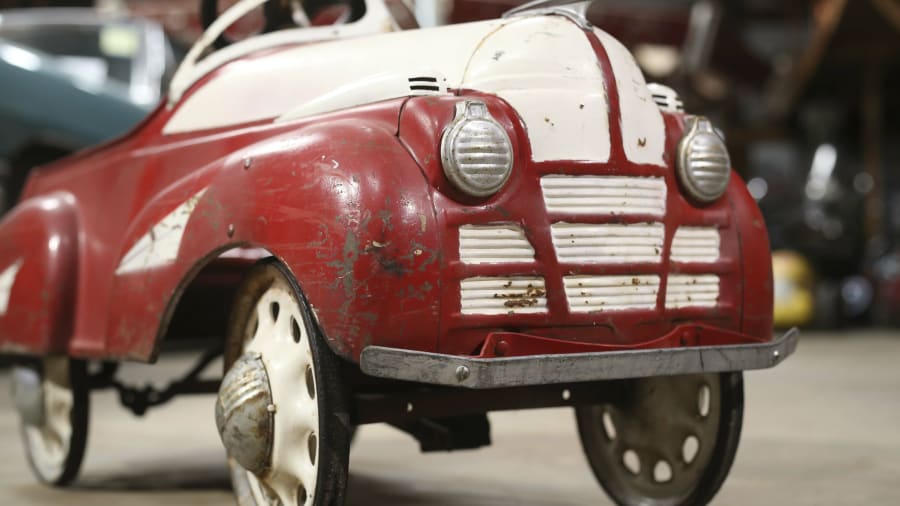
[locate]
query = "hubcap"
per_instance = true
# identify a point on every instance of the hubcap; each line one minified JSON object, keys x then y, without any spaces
{"x":656,"y":445}
{"x":276,"y":332}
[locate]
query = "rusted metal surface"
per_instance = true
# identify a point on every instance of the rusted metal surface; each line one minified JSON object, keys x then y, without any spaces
{"x":245,"y":414}
{"x":438,"y":369}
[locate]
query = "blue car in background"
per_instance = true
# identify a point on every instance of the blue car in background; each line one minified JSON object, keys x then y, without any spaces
{"x":71,"y":78}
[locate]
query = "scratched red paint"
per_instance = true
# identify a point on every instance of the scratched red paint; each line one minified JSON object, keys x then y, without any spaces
{"x":356,"y":205}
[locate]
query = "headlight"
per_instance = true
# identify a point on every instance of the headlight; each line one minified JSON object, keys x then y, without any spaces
{"x":476,"y":152}
{"x":704,"y":166}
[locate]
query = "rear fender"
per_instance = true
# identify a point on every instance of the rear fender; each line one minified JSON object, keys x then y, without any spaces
{"x":343,"y":206}
{"x":38,"y":275}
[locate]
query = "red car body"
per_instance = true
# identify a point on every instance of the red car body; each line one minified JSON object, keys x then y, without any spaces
{"x":354,"y":202}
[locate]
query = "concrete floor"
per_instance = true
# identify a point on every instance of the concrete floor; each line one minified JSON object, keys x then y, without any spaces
{"x":821,"y":429}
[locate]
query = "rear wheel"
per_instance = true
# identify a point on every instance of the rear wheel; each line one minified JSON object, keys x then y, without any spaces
{"x":668,"y":441}
{"x":298,"y":454}
{"x":53,"y":402}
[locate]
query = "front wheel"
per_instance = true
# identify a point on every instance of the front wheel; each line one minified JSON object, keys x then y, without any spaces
{"x":666,"y":441}
{"x":282,"y":411}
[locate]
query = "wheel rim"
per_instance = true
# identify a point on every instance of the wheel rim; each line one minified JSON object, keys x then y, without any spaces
{"x":655,"y":447}
{"x":277,"y":330}
{"x":50,"y":444}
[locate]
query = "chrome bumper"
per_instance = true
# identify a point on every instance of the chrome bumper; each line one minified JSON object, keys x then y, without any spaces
{"x":481,"y":373}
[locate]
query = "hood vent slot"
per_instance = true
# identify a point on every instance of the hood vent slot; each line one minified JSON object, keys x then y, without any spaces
{"x":427,"y":85}
{"x":666,"y":98}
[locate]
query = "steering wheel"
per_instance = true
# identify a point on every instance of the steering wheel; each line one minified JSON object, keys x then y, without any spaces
{"x":281,"y":14}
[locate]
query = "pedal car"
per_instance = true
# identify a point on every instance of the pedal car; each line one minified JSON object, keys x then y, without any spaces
{"x":417,"y":227}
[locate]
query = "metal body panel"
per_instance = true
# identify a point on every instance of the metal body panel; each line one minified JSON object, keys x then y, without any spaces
{"x":39,"y":246}
{"x":356,"y":205}
{"x":486,"y":373}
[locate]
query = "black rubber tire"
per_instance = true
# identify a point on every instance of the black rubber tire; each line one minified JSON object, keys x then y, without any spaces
{"x":79,"y":418}
{"x":712,"y":477}
{"x":335,"y":430}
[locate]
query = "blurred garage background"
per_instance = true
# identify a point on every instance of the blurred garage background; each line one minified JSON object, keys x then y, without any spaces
{"x":804,"y":91}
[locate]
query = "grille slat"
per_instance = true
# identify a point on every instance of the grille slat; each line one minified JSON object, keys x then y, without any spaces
{"x":494,"y":244}
{"x":612,"y":243}
{"x":696,"y":245}
{"x":604,"y":195}
{"x":700,"y":290}
{"x":611,"y":293}
{"x":500,"y":295}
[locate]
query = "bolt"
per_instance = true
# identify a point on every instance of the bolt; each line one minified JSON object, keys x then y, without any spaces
{"x":775,"y":355}
{"x":248,"y":162}
{"x":271,"y":408}
{"x":462,"y":373}
{"x":231,"y":230}
{"x":409,"y":407}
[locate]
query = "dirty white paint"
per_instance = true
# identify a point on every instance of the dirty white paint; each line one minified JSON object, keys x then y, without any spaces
{"x":274,"y":85}
{"x":545,"y":68}
{"x":159,"y":246}
{"x":696,"y":244}
{"x":196,"y":64}
{"x":609,"y":243}
{"x":643,"y":128}
{"x":502,"y":295}
{"x":700,"y":290}
{"x":611,"y":293}
{"x":7,"y":280}
{"x":284,"y":345}
{"x":604,"y":195}
{"x":666,"y":98}
{"x":370,"y":89}
{"x":494,"y":244}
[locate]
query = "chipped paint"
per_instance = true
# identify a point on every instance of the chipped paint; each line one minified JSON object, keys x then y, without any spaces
{"x":7,"y":280}
{"x":159,"y":246}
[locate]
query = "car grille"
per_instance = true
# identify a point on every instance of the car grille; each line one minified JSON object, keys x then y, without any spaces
{"x":635,"y":240}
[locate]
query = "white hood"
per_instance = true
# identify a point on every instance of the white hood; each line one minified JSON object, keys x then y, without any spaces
{"x":544,"y":66}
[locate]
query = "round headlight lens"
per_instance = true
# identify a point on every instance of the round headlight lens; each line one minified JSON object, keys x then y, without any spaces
{"x":476,"y":152}
{"x":704,"y":166}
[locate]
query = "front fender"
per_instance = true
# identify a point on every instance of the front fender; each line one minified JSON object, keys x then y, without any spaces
{"x":756,"y":262}
{"x":38,"y":271}
{"x":341,"y":203}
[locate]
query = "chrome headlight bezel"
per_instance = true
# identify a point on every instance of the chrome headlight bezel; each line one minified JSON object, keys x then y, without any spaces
{"x":704,"y":165}
{"x":474,"y":121}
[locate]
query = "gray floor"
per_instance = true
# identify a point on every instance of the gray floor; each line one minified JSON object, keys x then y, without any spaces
{"x":821,"y":429}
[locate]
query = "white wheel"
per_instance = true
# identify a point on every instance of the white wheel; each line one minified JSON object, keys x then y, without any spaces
{"x":53,"y":403}
{"x":272,"y":324}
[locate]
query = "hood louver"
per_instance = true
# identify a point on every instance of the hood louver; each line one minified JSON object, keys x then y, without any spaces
{"x":427,"y":85}
{"x":666,"y":98}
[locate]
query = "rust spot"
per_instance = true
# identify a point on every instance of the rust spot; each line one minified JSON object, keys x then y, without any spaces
{"x":581,"y":106}
{"x":528,"y":298}
{"x":642,"y":142}
{"x":635,"y":281}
